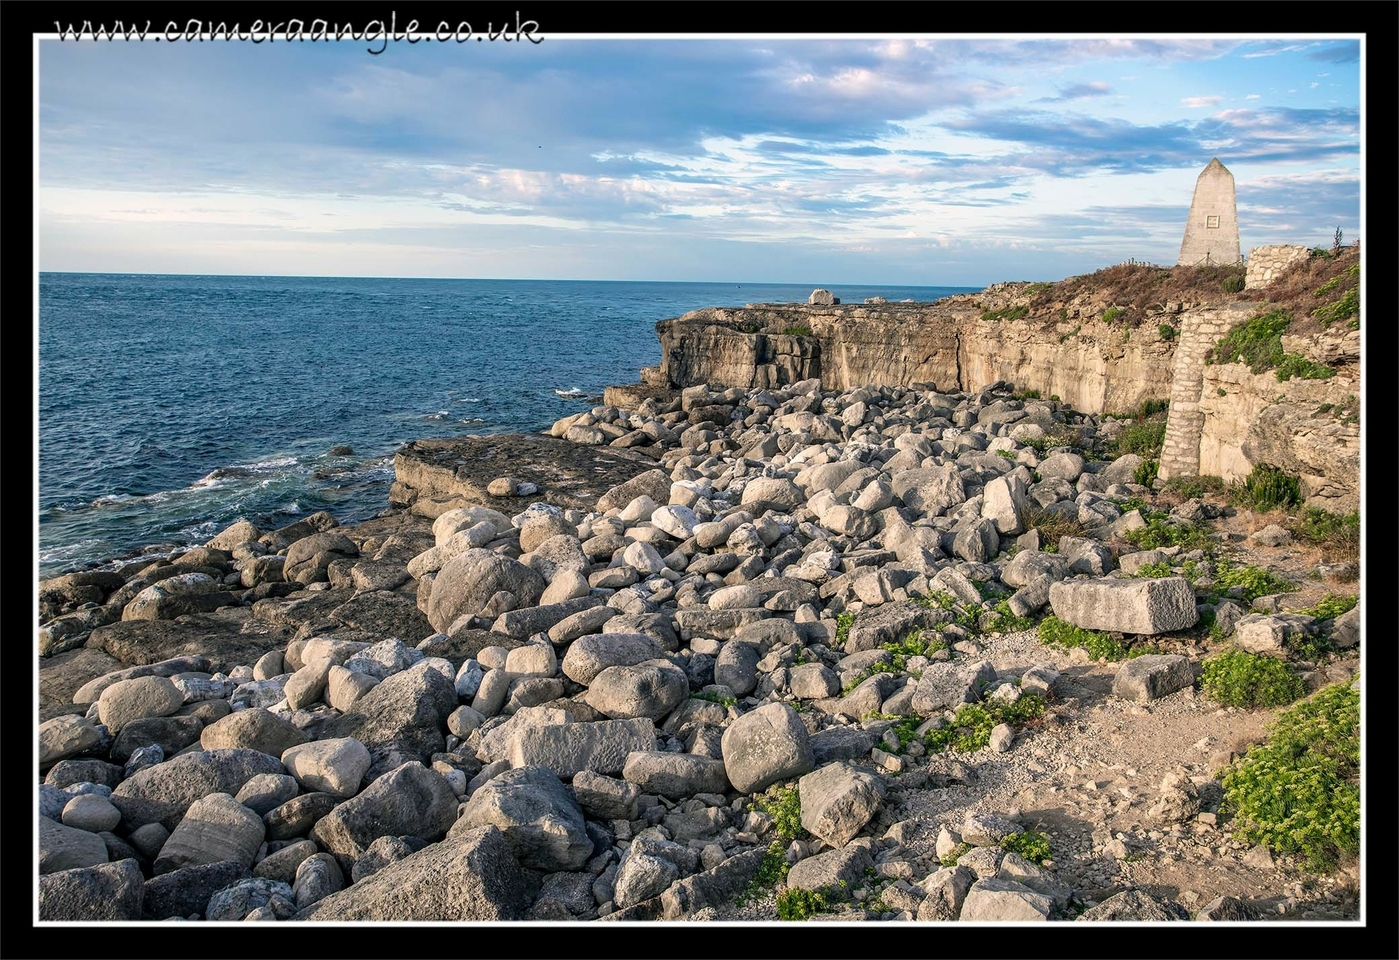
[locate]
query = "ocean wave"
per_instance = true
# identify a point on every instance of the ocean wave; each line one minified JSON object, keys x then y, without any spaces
{"x":439,"y":415}
{"x":570,"y":393}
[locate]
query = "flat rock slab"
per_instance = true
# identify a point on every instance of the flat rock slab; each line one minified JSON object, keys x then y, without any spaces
{"x":228,"y":638}
{"x":1126,"y":606}
{"x":568,"y":749}
{"x":473,"y":876}
{"x":108,"y":891}
{"x":569,"y":475}
{"x":1153,"y":676}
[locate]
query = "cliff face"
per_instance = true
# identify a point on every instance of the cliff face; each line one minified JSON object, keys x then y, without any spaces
{"x":1091,"y":365}
{"x":1224,"y":419}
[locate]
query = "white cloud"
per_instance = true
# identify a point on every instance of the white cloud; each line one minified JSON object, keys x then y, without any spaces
{"x":1195,"y":103}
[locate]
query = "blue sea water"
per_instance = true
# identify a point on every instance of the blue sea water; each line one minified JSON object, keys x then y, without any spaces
{"x":171,"y":406}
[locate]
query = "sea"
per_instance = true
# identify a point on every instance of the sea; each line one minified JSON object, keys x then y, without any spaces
{"x":172,"y":406}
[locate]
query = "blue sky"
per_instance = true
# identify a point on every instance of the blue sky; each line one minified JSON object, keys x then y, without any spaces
{"x":938,"y":161}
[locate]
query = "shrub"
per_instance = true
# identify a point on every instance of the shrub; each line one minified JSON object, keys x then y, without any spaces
{"x":1143,"y":438}
{"x":1299,"y":792}
{"x":1253,"y":582}
{"x":798,"y":904}
{"x":797,"y":331}
{"x":1338,"y":535}
{"x":1065,"y":337}
{"x":1236,"y":678}
{"x":1145,"y":474}
{"x":1005,"y":313}
{"x":1152,"y":571}
{"x":784,"y":805}
{"x":1054,"y":632}
{"x":715,"y":698}
{"x":1160,"y":532}
{"x":1232,"y":284}
{"x":1166,"y":331}
{"x":970,"y":729}
{"x":1111,"y":314}
{"x":1268,"y":487}
{"x":1052,"y":526}
{"x":1003,"y":620}
{"x":1031,"y":844}
{"x":1257,"y":342}
{"x":1343,"y":309}
{"x":1331,"y":606}
{"x":1295,"y":365}
{"x":1026,"y":395}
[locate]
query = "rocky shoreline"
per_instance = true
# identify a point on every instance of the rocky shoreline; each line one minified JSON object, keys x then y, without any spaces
{"x":729,"y":654}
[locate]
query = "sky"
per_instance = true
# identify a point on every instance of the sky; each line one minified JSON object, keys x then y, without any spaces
{"x":900,"y":161}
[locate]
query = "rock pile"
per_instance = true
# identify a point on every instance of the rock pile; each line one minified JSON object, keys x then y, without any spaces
{"x":571,"y":714}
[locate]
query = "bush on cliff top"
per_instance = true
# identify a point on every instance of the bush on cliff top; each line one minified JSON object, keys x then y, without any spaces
{"x":1257,"y":342}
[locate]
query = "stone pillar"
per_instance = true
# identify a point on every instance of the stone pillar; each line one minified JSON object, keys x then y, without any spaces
{"x":1212,"y":231}
{"x":1185,"y":421}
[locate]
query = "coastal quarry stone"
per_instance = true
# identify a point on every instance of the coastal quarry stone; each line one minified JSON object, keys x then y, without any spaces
{"x":472,"y":876}
{"x":162,"y":793}
{"x":1127,"y":606}
{"x":106,"y":891}
{"x":410,"y":799}
{"x":838,"y":800}
{"x":214,"y":828}
{"x":466,"y":584}
{"x":568,"y":749}
{"x":1152,"y":676}
{"x":539,"y":818}
{"x":765,"y":746}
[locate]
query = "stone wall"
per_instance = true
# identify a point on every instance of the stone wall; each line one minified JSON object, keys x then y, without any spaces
{"x":1265,"y":264}
{"x":1199,"y":332}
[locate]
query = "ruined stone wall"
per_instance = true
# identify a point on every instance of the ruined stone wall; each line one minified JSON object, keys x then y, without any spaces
{"x":1199,"y":332}
{"x":1265,"y":264}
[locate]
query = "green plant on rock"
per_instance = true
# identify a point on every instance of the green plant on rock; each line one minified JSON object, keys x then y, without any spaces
{"x":1054,"y":632}
{"x":1153,"y":571}
{"x":1331,"y":606}
{"x":844,"y":621}
{"x":1004,"y":620}
{"x":1146,"y":471}
{"x":1346,"y":307}
{"x":795,"y":903}
{"x":971,"y":726}
{"x":1299,"y":791}
{"x":955,"y":854}
{"x":1166,"y":331}
{"x":1030,"y":844}
{"x":797,"y":331}
{"x":1111,"y":314}
{"x":715,"y":698}
{"x":1160,"y":532}
{"x":1005,"y":313}
{"x":783,"y":804}
{"x":1252,"y":582}
{"x":1294,"y":365}
{"x":1237,"y":678}
{"x":1268,"y":487}
{"x":1256,"y":342}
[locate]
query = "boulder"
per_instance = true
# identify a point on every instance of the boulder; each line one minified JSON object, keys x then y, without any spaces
{"x":571,"y":748}
{"x":411,"y":800}
{"x":106,"y":891}
{"x":466,"y":583}
{"x":994,"y":899}
{"x":335,"y":766}
{"x":539,"y":818}
{"x":471,"y":876}
{"x":765,"y":746}
{"x":214,"y":828}
{"x":1152,"y":676}
{"x":162,"y":793}
{"x":675,"y":775}
{"x":838,"y":800}
{"x":1126,"y":606}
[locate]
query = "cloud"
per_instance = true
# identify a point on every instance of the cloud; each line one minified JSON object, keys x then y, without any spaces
{"x":1348,"y":52}
{"x":1251,"y":96}
{"x":1198,"y":102}
{"x":1079,"y":91}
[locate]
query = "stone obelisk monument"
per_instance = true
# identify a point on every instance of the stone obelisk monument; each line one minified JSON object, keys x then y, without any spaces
{"x":1212,"y":232}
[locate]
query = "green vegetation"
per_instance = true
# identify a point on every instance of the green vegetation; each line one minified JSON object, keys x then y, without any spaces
{"x":844,"y":621}
{"x":1338,"y":535}
{"x":1236,"y":678}
{"x":1295,"y":365}
{"x":1054,"y":632}
{"x":715,"y":698}
{"x":1065,"y":337}
{"x":1299,"y":792}
{"x":798,"y":904}
{"x":1252,"y":582}
{"x":970,"y":729}
{"x":783,"y":804}
{"x":1232,"y":284}
{"x":1153,"y":571}
{"x":1004,"y":620}
{"x":1257,"y":342}
{"x":1162,"y":532}
{"x":1052,"y":526}
{"x":1006,"y":454}
{"x":1191,"y":488}
{"x":1331,"y":606}
{"x":1143,"y":438}
{"x":1345,"y":308}
{"x":1145,"y":474}
{"x":1166,"y":331}
{"x":1035,"y":289}
{"x":797,"y":331}
{"x":955,"y":854}
{"x":1005,"y":313}
{"x":1026,"y":395}
{"x":1267,"y":488}
{"x":1111,"y":314}
{"x":1031,"y":844}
